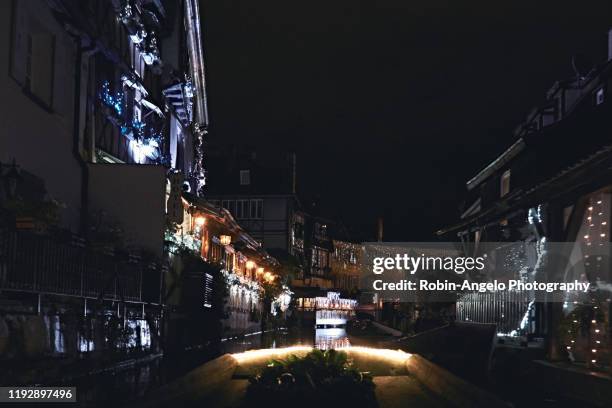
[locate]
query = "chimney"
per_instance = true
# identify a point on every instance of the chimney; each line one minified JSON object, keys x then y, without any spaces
{"x":610,"y":44}
{"x":379,"y":235}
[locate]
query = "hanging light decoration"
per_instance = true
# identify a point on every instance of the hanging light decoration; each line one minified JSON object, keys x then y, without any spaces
{"x":140,"y":35}
{"x":225,"y":239}
{"x":115,"y":101}
{"x":150,"y":53}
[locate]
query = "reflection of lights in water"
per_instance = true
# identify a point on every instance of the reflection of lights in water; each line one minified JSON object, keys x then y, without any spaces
{"x":332,"y":322}
{"x":334,"y":317}
{"x":269,"y":353}
{"x":331,"y":339}
{"x":387,"y":354}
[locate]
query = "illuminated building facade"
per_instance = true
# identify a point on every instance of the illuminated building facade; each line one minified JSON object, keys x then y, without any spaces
{"x":214,"y":235}
{"x":345,"y":263}
{"x":118,"y":88}
{"x":107,"y":104}
{"x":259,"y":189}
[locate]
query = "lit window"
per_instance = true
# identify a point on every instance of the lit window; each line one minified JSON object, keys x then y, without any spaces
{"x":245,"y":177}
{"x":505,"y":183}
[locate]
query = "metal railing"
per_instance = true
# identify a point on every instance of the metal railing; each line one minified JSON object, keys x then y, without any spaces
{"x":41,"y":264}
{"x":509,"y":310}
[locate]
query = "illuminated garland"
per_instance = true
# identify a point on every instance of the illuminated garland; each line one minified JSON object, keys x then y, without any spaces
{"x":138,"y":33}
{"x":596,"y":236}
{"x":114,"y":102}
{"x":188,"y":92}
{"x":142,"y":145}
{"x":241,"y":285}
{"x":282,"y":301}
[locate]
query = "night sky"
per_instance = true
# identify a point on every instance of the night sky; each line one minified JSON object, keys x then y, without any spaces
{"x":390,"y":105}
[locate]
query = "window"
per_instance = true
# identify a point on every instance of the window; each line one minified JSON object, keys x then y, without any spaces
{"x":320,"y":261}
{"x":320,"y":230}
{"x":505,"y":183}
{"x":40,"y":53}
{"x":256,"y":209}
{"x":599,"y":96}
{"x":230,"y":262}
{"x":216,"y":252}
{"x":238,"y":213}
{"x":245,"y":177}
{"x":242,"y":209}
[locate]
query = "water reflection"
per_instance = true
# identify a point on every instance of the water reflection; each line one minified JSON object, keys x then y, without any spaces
{"x":335,"y":338}
{"x":322,"y":338}
{"x":133,"y":383}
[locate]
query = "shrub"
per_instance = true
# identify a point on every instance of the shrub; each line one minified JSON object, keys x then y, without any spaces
{"x":319,"y":379}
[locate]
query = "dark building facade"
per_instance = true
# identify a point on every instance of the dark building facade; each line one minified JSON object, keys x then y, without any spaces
{"x":552,"y":185}
{"x":259,"y":190}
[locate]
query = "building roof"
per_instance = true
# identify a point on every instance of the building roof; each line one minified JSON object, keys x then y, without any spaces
{"x":564,"y":98}
{"x":245,"y":243}
{"x":594,"y":169}
{"x":554,"y":147}
{"x":271,"y":171}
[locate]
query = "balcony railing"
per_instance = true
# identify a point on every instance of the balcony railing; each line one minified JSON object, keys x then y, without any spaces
{"x":41,"y":264}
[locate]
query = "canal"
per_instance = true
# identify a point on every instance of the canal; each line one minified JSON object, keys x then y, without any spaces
{"x":126,"y":385}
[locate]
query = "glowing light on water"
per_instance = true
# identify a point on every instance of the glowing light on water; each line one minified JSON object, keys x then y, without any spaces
{"x":269,"y":353}
{"x":387,"y":354}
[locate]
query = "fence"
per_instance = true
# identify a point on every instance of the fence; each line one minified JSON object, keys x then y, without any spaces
{"x":509,"y":310}
{"x":41,"y":264}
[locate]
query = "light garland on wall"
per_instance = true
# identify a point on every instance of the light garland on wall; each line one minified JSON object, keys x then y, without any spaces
{"x":282,"y":301}
{"x":115,"y":102}
{"x":240,"y":285}
{"x":142,"y":145}
{"x":198,"y":173}
{"x":595,"y":237}
{"x":150,"y":53}
{"x":138,"y":34}
{"x":188,"y":92}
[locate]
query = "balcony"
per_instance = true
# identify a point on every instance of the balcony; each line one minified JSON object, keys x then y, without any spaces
{"x":41,"y":264}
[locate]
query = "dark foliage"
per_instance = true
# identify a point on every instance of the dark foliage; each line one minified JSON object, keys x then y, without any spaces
{"x":319,"y":379}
